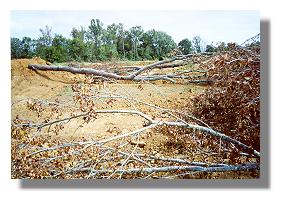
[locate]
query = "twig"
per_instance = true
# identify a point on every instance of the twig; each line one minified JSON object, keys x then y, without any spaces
{"x":124,"y":135}
{"x":127,"y":154}
{"x":54,"y":148}
{"x":123,"y":163}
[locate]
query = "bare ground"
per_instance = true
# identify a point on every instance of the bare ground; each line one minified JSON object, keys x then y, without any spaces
{"x":56,"y":87}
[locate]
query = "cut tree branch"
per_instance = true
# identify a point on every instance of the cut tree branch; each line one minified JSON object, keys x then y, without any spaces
{"x":213,"y":133}
{"x":133,"y":76}
{"x":239,"y":167}
{"x":151,"y":124}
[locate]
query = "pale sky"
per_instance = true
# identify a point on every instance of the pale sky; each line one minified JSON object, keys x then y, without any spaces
{"x":212,"y":26}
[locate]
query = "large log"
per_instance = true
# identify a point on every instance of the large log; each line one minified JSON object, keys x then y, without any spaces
{"x":75,"y":70}
{"x":102,"y":73}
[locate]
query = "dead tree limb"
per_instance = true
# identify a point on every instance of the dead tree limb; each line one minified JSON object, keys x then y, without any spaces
{"x":74,"y":70}
{"x":239,"y":167}
{"x":102,"y":73}
{"x":151,"y":124}
{"x":90,"y":71}
{"x":169,"y":111}
{"x":39,"y":126}
{"x":213,"y":133}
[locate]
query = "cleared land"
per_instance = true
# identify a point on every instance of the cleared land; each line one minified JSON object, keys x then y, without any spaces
{"x":52,"y":87}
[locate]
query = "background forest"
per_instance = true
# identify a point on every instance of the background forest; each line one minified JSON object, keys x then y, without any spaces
{"x":99,"y":43}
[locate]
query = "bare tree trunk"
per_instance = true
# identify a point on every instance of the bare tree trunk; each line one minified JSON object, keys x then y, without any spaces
{"x":124,"y":49}
{"x":133,"y":76}
{"x":240,"y":167}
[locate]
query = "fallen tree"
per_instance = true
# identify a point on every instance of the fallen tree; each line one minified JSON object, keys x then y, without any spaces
{"x":240,"y":167}
{"x":135,"y":76}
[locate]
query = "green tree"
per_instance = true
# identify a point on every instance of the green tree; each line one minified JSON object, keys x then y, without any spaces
{"x":111,"y":34}
{"x":221,"y":46}
{"x":80,"y":51}
{"x":46,"y":38}
{"x":95,"y":34}
{"x":79,"y":34}
{"x":136,"y":33}
{"x":15,"y":48}
{"x":210,"y":48}
{"x":197,"y":43}
{"x":159,"y":43}
{"x":43,"y":44}
{"x":27,"y":47}
{"x":79,"y":48}
{"x":121,"y":41}
{"x":59,"y":49}
{"x":185,"y":46}
{"x":110,"y":38}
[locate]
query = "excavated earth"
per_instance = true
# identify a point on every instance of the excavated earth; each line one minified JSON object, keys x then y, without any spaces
{"x":56,"y":87}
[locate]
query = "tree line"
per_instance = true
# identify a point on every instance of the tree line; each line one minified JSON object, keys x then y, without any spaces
{"x":97,"y":43}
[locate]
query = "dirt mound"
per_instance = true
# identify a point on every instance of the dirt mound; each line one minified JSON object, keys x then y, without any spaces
{"x":19,"y":67}
{"x":27,"y":83}
{"x":20,"y":73}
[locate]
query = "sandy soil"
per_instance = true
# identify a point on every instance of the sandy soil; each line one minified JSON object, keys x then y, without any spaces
{"x":56,"y":87}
